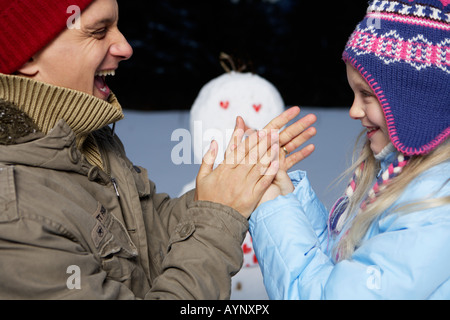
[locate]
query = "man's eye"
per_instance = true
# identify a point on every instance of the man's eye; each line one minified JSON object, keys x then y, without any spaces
{"x":99,"y":33}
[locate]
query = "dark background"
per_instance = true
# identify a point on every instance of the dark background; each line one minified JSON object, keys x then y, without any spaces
{"x":295,"y":44}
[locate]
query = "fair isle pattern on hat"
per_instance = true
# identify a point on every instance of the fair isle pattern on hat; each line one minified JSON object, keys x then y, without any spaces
{"x":390,"y":47}
{"x":402,"y":49}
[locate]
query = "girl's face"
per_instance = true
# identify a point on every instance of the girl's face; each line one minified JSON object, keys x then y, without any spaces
{"x":367,"y":108}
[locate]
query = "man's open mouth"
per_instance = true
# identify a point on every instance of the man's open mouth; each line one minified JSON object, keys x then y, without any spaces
{"x":100,"y":82}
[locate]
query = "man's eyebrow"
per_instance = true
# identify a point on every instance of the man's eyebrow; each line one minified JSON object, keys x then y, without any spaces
{"x":106,"y":21}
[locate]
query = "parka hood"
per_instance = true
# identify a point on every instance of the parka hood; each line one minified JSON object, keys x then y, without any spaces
{"x":14,"y":124}
{"x":21,"y":143}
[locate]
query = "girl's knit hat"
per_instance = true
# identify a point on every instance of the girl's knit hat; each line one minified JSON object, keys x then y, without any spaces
{"x":27,"y":26}
{"x":402,"y":49}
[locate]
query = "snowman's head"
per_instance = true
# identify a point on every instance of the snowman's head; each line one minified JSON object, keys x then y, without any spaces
{"x":214,"y":112}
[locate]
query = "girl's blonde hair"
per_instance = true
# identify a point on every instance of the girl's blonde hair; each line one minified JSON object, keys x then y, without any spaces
{"x":387,"y":197}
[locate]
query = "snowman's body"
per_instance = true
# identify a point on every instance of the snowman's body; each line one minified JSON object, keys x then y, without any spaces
{"x":213,"y":116}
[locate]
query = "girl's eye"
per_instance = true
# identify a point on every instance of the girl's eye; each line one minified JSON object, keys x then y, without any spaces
{"x":366,"y":93}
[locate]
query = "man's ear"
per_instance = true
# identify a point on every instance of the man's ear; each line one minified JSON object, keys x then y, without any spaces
{"x":29,"y":69}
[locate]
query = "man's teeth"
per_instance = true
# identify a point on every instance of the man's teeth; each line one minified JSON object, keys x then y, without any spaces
{"x":105,"y":73}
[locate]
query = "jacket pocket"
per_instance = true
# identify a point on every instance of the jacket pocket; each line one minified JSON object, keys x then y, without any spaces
{"x":118,"y":254}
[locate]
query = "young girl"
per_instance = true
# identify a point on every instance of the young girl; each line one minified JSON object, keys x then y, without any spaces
{"x":387,"y":237}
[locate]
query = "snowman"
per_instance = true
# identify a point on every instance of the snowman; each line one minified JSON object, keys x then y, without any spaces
{"x":213,"y":117}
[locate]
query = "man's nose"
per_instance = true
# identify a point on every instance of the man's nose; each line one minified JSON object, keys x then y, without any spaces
{"x":121,"y":48}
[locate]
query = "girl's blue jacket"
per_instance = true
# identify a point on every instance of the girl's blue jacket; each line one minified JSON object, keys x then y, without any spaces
{"x":402,"y":256}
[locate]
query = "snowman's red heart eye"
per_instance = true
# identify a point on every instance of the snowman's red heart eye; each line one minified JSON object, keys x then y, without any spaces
{"x":224,"y":104}
{"x":257,"y":107}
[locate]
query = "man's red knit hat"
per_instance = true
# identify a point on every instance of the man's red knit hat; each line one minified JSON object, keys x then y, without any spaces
{"x":27,"y":26}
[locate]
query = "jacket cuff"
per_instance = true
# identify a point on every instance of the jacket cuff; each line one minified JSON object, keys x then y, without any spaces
{"x":313,"y":208}
{"x":220,"y":217}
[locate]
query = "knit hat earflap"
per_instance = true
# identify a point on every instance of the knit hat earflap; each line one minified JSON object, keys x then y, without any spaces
{"x":402,"y":49}
{"x":27,"y":26}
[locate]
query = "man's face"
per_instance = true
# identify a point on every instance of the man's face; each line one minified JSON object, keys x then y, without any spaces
{"x":81,"y":58}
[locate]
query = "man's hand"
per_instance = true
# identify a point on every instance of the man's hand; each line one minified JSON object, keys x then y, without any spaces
{"x":251,"y":165}
{"x":245,"y":174}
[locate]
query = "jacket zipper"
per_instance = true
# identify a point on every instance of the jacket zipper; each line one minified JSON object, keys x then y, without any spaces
{"x":107,"y":169}
{"x":114,"y":183}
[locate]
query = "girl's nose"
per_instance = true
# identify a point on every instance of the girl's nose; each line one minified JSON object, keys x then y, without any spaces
{"x":357,"y":110}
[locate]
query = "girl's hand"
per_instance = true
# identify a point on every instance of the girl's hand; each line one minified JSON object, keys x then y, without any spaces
{"x":251,"y":165}
{"x":290,"y":140}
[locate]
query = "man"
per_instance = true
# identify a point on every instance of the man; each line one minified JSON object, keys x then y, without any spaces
{"x":77,"y":218}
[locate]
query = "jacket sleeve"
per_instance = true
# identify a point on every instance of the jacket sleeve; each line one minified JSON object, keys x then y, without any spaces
{"x":315,"y":211}
{"x":406,"y":259}
{"x":204,"y":252}
{"x":200,"y":244}
{"x":194,"y":246}
{"x":44,"y":259}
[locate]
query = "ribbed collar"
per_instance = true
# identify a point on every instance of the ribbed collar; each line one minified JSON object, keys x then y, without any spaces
{"x":387,"y":150}
{"x":47,"y":104}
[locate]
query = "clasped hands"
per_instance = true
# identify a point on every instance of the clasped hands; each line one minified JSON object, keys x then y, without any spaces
{"x":254,"y":169}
